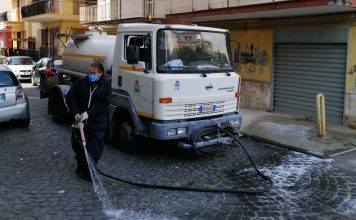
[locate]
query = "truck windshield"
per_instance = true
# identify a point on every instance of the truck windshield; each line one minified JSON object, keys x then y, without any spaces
{"x":181,"y":51}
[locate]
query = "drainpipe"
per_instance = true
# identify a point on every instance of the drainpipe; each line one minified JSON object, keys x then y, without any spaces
{"x":120,"y":9}
{"x":18,"y":10}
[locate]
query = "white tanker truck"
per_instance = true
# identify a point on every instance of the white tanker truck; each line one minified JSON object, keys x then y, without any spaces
{"x":169,"y":82}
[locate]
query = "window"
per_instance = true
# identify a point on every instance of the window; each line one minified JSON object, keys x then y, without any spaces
{"x":44,"y":63}
{"x":145,"y":50}
{"x":7,"y":78}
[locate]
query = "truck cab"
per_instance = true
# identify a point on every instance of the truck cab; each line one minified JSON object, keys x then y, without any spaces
{"x":171,"y":82}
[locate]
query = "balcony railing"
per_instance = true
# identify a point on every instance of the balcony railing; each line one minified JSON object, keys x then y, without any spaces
{"x":112,"y":10}
{"x":9,"y":16}
{"x":184,"y":6}
{"x":61,"y":7}
{"x":3,"y":16}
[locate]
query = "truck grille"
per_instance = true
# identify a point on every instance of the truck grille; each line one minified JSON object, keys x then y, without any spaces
{"x":200,"y":109}
{"x":203,"y":108}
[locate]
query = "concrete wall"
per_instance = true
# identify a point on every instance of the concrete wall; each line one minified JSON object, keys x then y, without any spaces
{"x":350,"y":98}
{"x":257,"y":77}
{"x":62,"y":26}
{"x":255,"y":58}
{"x":5,"y":6}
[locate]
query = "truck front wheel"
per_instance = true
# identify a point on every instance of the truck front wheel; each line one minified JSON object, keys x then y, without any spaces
{"x":125,"y":137}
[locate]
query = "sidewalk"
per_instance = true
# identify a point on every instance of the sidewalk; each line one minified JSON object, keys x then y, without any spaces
{"x":296,"y":133}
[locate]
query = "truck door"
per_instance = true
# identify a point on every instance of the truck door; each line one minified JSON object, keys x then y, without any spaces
{"x":137,"y":79}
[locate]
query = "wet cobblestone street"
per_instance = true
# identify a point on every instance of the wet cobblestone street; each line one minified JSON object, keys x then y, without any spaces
{"x":37,"y":179}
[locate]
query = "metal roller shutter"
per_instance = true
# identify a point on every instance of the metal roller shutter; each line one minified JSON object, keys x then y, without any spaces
{"x":304,"y":70}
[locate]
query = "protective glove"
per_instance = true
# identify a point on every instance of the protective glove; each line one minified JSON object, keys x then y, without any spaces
{"x":77,"y":125}
{"x":77,"y":117}
{"x":84,"y":116}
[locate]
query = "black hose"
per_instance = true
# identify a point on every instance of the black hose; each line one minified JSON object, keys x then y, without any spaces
{"x":207,"y":150}
{"x":248,"y":155}
{"x":197,"y":189}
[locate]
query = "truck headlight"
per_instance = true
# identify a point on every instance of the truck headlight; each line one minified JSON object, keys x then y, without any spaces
{"x":234,"y":122}
{"x":181,"y":131}
{"x":177,"y":131}
{"x":172,"y":132}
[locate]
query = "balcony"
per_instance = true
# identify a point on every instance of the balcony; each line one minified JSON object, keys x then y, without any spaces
{"x":201,"y":11}
{"x":205,"y":11}
{"x":184,"y":6}
{"x":115,"y":11}
{"x":51,"y":10}
{"x":3,"y":17}
{"x":9,"y":16}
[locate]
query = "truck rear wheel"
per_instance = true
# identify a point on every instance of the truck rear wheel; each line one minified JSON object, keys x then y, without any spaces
{"x":57,"y":107}
{"x":125,"y":136}
{"x":43,"y":86}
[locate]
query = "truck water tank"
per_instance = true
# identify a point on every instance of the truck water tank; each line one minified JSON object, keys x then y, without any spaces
{"x":87,"y":48}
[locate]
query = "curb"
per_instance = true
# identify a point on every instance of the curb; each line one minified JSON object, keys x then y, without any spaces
{"x":285,"y":146}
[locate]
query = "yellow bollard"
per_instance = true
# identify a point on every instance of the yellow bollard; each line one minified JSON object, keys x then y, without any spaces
{"x":320,"y":111}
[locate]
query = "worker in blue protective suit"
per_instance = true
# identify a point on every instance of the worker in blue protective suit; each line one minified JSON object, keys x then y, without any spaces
{"x":88,"y":101}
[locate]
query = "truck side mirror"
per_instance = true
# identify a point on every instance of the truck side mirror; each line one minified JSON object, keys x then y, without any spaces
{"x":132,"y":54}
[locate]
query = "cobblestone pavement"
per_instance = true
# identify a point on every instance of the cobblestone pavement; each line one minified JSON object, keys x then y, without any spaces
{"x":37,"y":180}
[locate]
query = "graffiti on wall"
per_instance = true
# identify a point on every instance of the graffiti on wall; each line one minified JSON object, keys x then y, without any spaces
{"x":251,"y":58}
{"x":352,"y":70}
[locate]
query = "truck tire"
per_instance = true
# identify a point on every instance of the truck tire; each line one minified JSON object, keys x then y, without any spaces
{"x":43,"y":86}
{"x":125,"y":137}
{"x":57,"y":107}
{"x":46,"y":83}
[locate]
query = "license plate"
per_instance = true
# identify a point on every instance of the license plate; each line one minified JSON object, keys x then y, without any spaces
{"x":210,"y":108}
{"x":2,"y":97}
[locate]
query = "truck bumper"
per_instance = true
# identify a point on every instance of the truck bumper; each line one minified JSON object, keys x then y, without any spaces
{"x":163,"y":130}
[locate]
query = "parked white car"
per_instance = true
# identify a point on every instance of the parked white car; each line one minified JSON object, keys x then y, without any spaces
{"x":14,"y":105}
{"x":21,"y":66}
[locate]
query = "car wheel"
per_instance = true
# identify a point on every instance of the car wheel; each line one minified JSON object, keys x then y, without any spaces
{"x":25,"y":123}
{"x":125,"y":137}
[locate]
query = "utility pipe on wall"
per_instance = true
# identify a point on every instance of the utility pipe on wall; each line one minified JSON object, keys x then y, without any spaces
{"x":320,"y":111}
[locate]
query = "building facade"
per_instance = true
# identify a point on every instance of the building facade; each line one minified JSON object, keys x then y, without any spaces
{"x":11,"y":27}
{"x":48,"y":18}
{"x":287,"y":52}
